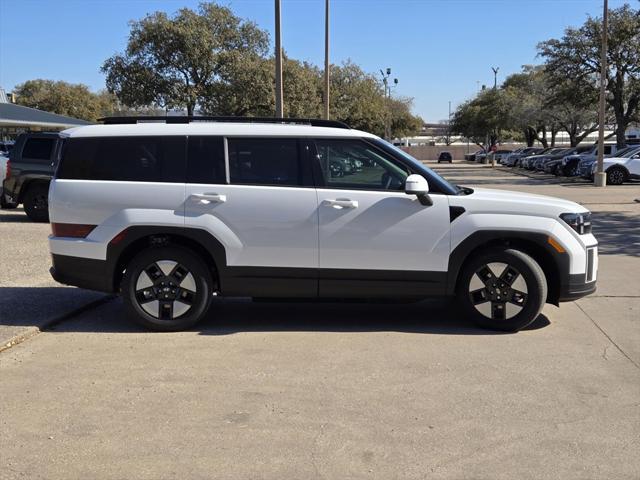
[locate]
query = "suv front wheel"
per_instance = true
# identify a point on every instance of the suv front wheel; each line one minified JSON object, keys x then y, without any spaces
{"x":502,"y":289}
{"x":167,"y":289}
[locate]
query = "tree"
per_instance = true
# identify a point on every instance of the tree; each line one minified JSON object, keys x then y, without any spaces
{"x":72,"y":100}
{"x":177,"y":62}
{"x":483,"y":118}
{"x":538,"y":105}
{"x":357,"y":98}
{"x":575,"y":59}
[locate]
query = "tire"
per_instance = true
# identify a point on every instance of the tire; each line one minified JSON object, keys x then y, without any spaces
{"x":507,"y":306}
{"x":616,"y":176}
{"x":36,"y":203}
{"x":186,"y":282}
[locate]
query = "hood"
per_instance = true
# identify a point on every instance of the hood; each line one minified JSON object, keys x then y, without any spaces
{"x":504,"y":201}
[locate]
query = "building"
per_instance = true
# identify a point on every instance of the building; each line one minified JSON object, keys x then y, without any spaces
{"x":15,"y":119}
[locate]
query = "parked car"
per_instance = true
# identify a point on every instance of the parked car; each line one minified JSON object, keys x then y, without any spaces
{"x":498,"y":155}
{"x":520,"y":160}
{"x":552,"y":165}
{"x":586,"y":166}
{"x":445,"y":157}
{"x":569,"y":165}
{"x":168,"y":215}
{"x":529,"y":162}
{"x":32,"y":162}
{"x":511,"y":159}
{"x":621,"y":169}
{"x":540,"y":163}
{"x":471,"y":157}
{"x":481,"y":157}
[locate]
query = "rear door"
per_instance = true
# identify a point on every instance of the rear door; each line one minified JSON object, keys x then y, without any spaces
{"x":256,"y":196}
{"x":375,"y":240}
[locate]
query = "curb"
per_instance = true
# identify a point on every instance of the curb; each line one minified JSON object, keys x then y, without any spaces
{"x":33,"y":331}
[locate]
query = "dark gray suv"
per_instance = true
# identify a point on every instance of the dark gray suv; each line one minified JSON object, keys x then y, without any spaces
{"x":32,"y":162}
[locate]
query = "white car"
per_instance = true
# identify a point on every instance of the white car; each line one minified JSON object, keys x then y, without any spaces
{"x":621,"y":169}
{"x":171,"y":214}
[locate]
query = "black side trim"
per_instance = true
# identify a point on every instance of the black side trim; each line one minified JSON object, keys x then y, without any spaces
{"x":455,"y":212}
{"x":270,"y":282}
{"x":81,"y":272}
{"x":339,"y":283}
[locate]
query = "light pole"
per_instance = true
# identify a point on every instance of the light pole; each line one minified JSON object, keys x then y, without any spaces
{"x":449,"y":126}
{"x":495,"y":77}
{"x":326,"y":60}
{"x":387,"y":97}
{"x":279,"y":102}
{"x":599,"y":178}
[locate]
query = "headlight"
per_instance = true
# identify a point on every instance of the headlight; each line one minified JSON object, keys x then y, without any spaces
{"x":580,"y":222}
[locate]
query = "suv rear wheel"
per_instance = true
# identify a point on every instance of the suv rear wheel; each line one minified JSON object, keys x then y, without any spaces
{"x":167,"y":289}
{"x":502,"y":289}
{"x":36,"y":203}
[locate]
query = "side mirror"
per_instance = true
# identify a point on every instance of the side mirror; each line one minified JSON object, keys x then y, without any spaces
{"x":417,"y":185}
{"x":636,"y":156}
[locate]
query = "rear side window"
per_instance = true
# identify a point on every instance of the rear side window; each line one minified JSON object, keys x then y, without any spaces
{"x":205,"y":160}
{"x":264,"y":161}
{"x":141,"y":159}
{"x":38,"y":149}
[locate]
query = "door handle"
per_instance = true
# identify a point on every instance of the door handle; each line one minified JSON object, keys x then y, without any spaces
{"x":340,"y":203}
{"x":210,"y":197}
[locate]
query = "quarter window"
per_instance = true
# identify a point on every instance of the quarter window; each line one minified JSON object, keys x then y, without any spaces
{"x":264,"y":161}
{"x":38,"y":149}
{"x":358,"y":165}
{"x":141,"y":159}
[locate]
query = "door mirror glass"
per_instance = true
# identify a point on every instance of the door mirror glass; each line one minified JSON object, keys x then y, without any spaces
{"x":416,"y":185}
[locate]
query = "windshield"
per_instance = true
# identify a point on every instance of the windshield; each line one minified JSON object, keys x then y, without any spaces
{"x":630,"y":153}
{"x":436,"y":182}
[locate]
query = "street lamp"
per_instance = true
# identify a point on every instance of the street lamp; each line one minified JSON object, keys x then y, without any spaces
{"x":495,"y":77}
{"x":387,"y":97}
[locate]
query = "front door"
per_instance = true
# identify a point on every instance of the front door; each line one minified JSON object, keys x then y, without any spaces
{"x":374,"y":239}
{"x":264,"y":212}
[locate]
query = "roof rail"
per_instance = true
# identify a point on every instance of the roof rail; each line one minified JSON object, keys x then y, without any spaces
{"x":314,"y":122}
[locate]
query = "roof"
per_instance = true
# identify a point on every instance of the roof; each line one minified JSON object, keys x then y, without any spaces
{"x":213,"y":128}
{"x":12,"y":115}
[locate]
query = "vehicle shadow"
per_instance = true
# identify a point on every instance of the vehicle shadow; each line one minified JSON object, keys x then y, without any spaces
{"x":230,"y":316}
{"x":617,"y":233}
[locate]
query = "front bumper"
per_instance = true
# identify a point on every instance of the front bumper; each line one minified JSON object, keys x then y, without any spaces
{"x":575,"y":286}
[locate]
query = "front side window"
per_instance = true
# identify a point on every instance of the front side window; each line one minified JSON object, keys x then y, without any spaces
{"x":140,"y":159}
{"x":354,"y":164}
{"x":264,"y":161}
{"x":38,"y":149}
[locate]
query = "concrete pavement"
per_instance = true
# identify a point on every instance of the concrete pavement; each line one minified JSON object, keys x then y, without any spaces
{"x":342,"y":390}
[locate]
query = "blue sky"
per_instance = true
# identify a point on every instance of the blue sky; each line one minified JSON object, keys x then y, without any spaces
{"x":438,"y":49}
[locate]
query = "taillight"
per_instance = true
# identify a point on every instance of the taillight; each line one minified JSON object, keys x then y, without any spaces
{"x":72,"y":230}
{"x":8,"y":174}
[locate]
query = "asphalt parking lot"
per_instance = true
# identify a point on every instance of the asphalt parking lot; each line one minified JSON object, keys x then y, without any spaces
{"x":273,"y":390}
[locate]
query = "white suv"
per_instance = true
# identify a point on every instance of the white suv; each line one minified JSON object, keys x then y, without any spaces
{"x":173,"y":212}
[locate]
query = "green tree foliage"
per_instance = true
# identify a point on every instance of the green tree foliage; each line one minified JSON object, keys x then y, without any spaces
{"x":178,"y":61}
{"x":574,"y":61}
{"x":214,"y":62}
{"x":485,"y":117}
{"x":538,"y":106}
{"x":73,"y":100}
